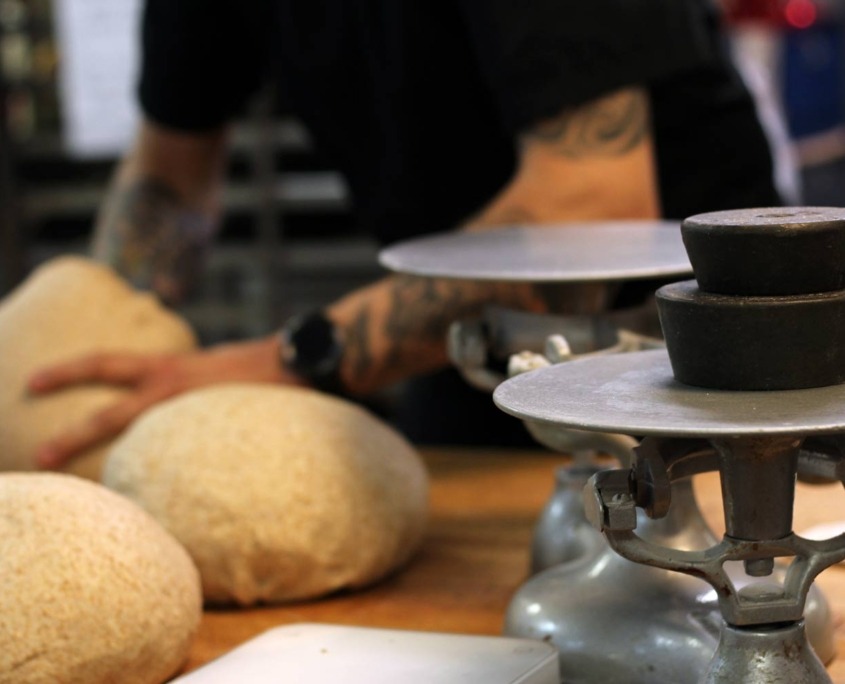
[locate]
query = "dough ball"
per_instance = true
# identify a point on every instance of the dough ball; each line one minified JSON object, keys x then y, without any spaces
{"x":66,"y":308}
{"x":278,"y":493}
{"x":94,"y":590}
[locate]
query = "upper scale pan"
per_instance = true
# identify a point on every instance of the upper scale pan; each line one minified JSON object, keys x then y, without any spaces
{"x":570,"y":252}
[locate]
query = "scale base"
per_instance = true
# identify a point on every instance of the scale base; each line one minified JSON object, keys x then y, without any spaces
{"x":766,"y":655}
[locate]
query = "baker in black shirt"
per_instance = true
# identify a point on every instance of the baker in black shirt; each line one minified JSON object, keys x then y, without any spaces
{"x":441,"y":114}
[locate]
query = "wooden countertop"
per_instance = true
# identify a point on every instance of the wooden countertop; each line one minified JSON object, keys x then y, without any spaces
{"x":484,"y":504}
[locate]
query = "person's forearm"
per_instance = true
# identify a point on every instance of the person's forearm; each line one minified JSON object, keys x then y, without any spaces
{"x":161,"y":211}
{"x":397,"y":327}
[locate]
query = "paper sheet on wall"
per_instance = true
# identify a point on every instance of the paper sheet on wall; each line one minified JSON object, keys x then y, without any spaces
{"x":98,"y":43}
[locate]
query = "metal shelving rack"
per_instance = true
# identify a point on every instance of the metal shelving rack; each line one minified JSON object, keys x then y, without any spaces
{"x":268,"y":263}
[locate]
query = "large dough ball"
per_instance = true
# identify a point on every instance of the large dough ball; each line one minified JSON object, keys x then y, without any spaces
{"x":93,"y":589}
{"x":68,"y":307}
{"x":278,"y":493}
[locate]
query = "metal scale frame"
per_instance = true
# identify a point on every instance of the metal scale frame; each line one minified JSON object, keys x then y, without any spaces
{"x":751,"y":386}
{"x":599,"y":608}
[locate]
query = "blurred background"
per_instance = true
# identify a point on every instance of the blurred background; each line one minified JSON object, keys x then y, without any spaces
{"x":67,"y":70}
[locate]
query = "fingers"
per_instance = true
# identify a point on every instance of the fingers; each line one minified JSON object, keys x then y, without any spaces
{"x":118,"y":369}
{"x":100,"y":427}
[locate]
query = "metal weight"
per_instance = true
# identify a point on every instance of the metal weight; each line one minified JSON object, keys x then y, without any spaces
{"x":768,"y":252}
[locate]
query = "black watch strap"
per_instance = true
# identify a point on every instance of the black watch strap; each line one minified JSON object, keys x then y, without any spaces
{"x":311,"y":346}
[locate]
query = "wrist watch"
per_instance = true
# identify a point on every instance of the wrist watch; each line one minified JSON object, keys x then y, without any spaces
{"x":311,"y":346}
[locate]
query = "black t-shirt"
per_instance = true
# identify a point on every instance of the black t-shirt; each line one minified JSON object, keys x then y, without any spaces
{"x":418,"y":102}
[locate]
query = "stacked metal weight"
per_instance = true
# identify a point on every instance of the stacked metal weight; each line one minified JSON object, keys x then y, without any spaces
{"x":765,"y":313}
{"x":767,"y":308}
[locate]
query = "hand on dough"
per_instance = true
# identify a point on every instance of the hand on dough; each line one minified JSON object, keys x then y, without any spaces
{"x":149,"y":380}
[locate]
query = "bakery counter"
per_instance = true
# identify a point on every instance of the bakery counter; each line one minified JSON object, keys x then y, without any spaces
{"x":484,"y":504}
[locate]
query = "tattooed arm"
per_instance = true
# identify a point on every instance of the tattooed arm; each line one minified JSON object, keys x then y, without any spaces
{"x":154,"y":228}
{"x":593,"y":162}
{"x":162,"y":209}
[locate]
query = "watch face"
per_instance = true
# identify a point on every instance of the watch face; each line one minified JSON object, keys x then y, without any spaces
{"x":316,"y":346}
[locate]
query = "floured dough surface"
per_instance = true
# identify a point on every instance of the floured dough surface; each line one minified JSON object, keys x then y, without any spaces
{"x":94,"y":590}
{"x":70,"y":307}
{"x":278,"y":493}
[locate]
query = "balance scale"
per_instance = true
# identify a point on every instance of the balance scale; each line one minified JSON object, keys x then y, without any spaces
{"x":614,"y":621}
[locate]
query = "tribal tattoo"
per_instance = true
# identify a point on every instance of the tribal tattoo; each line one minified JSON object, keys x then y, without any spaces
{"x":152,"y":239}
{"x":413,"y":326}
{"x":357,"y":344}
{"x":610,"y":126}
{"x":438,"y":303}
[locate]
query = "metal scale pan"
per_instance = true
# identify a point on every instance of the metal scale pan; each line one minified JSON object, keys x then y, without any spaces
{"x":570,"y":252}
{"x":637,"y":394}
{"x":573,"y":253}
{"x":564,"y":253}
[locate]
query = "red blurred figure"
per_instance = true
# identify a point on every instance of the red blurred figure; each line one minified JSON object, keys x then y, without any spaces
{"x":800,"y":14}
{"x":757,"y":11}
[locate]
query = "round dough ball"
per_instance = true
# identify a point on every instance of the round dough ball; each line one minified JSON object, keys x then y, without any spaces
{"x":278,"y":493}
{"x":94,"y":590}
{"x":66,"y":308}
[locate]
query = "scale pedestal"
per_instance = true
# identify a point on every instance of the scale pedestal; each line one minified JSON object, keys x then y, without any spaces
{"x":753,"y":438}
{"x":721,"y":420}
